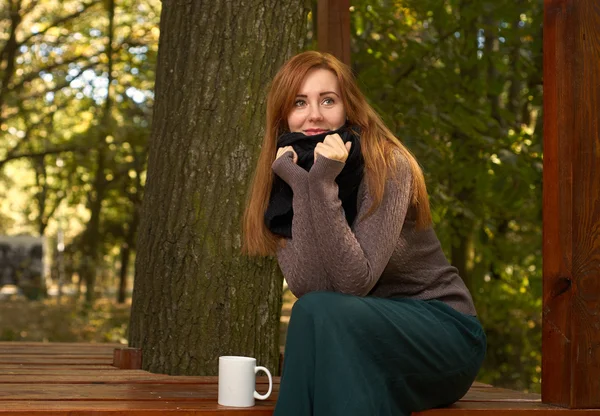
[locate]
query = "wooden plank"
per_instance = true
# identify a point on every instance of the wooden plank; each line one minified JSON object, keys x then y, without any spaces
{"x":112,"y":378}
{"x":43,"y":350}
{"x":59,"y":344}
{"x":107,"y":392}
{"x":54,"y":359}
{"x":477,"y":384}
{"x":140,"y":408}
{"x":333,"y":33}
{"x":57,"y":355}
{"x":137,"y":408}
{"x":190,"y":408}
{"x":506,"y":409}
{"x":14,"y":366}
{"x":497,"y":394}
{"x":52,"y":348}
{"x":51,"y":371}
{"x":571,"y":223}
{"x":204,"y":389}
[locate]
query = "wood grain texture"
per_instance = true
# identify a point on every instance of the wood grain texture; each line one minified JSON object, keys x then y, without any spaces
{"x":506,"y":409}
{"x":113,"y":392}
{"x":70,"y":366}
{"x":55,"y":360}
{"x":571,"y":240}
{"x":127,"y":358}
{"x":78,"y":377}
{"x":40,"y":348}
{"x":139,"y":408}
{"x":68,"y":390}
{"x":333,"y":34}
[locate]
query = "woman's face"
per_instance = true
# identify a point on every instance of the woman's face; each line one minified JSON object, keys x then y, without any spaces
{"x":318,"y":106}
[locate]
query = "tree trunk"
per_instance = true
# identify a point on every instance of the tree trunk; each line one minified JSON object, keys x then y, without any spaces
{"x":90,"y":249}
{"x":490,"y":48}
{"x":9,"y":53}
{"x":125,"y":255}
{"x":195,"y":297}
{"x":126,"y":247}
{"x":92,"y":232}
{"x":460,"y":255}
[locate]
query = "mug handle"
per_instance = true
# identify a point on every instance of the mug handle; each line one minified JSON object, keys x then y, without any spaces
{"x":263,"y":396}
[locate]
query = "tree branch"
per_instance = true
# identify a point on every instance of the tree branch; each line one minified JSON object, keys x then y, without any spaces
{"x":35,"y":74}
{"x":9,"y":52}
{"x":32,"y":5}
{"x":46,"y":218}
{"x":61,"y":85}
{"x":413,"y":65}
{"x":65,"y":149}
{"x":31,"y":127}
{"x":61,"y":21}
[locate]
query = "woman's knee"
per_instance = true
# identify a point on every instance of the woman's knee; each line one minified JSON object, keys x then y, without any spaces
{"x":328,"y":305}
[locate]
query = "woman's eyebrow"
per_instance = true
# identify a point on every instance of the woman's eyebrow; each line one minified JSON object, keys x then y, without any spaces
{"x":323,"y":93}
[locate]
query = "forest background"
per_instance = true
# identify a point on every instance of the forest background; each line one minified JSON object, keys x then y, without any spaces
{"x":459,"y":82}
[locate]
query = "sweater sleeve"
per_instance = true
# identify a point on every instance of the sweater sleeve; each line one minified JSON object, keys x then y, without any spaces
{"x":355,"y":259}
{"x":298,"y":258}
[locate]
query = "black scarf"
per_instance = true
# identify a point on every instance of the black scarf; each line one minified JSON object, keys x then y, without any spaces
{"x":279,"y":213}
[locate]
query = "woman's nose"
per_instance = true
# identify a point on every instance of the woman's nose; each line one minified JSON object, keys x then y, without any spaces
{"x":315,"y":114}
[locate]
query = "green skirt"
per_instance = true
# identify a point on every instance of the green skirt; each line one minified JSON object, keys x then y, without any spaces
{"x":349,"y":355}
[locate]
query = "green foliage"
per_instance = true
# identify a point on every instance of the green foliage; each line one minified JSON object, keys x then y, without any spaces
{"x":81,"y":130}
{"x":460,"y":85}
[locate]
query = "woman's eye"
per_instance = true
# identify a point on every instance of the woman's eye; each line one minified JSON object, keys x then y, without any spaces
{"x":328,"y":101}
{"x":299,"y":103}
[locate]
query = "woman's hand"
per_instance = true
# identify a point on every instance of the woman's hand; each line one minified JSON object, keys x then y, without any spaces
{"x":281,"y":151}
{"x":333,"y":148}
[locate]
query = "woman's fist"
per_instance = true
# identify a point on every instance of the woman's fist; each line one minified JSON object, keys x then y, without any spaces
{"x":334,"y":148}
{"x":282,"y":150}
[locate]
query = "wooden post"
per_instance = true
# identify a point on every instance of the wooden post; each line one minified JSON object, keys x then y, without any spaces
{"x":333,"y":31}
{"x":571,"y":238}
{"x":127,"y":358}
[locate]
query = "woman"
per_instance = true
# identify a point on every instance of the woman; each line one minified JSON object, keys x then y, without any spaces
{"x":383,"y":324}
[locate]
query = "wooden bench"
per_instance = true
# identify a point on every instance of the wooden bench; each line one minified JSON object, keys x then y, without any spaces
{"x":56,"y":379}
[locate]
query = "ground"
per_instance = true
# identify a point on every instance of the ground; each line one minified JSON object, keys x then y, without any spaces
{"x":67,"y":321}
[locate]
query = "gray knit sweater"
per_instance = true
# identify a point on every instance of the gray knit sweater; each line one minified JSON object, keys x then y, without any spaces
{"x":383,"y":255}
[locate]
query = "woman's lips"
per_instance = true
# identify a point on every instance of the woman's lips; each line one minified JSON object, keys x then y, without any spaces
{"x":313,"y":132}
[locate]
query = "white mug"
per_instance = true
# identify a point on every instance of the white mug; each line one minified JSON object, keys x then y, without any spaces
{"x":237,"y":381}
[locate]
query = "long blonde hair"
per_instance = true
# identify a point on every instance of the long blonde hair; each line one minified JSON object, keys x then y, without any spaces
{"x":377,"y":143}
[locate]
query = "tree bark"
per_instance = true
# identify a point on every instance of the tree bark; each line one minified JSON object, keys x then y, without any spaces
{"x":195,"y":296}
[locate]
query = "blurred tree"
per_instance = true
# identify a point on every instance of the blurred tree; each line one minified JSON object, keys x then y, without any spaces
{"x":77,"y":108}
{"x":38,"y":47}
